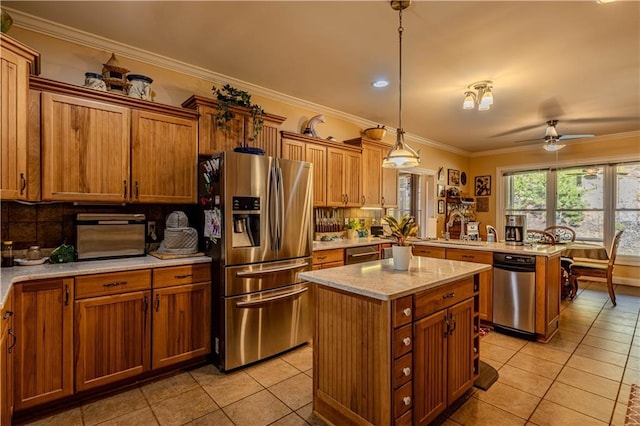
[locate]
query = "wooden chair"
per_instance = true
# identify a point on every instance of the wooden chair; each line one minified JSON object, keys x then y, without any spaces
{"x":563,"y":234}
{"x":598,"y":269}
{"x":540,"y":237}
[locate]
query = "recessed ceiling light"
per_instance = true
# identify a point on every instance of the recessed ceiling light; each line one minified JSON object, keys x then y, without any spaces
{"x":604,"y":1}
{"x":380,"y":83}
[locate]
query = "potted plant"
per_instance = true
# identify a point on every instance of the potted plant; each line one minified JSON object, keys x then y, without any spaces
{"x":352,"y":228}
{"x":401,"y":230}
{"x":228,"y":96}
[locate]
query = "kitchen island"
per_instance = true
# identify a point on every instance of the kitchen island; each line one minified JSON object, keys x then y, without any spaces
{"x":394,"y":347}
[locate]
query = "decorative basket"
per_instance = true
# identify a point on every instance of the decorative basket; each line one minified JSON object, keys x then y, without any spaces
{"x":375,"y":133}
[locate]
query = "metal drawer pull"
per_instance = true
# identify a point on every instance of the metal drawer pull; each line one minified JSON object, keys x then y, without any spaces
{"x":7,"y":315}
{"x":370,"y":253}
{"x":322,"y":257}
{"x":15,"y":339}
{"x":179,"y":277}
{"x":23,"y":183}
{"x":253,"y":303}
{"x":67,"y":294}
{"x":406,"y":371}
{"x":406,"y":312}
{"x":114,"y":284}
{"x":406,"y":400}
{"x":157,"y":302}
{"x":450,"y":295}
{"x":406,"y":341}
{"x":257,"y":273}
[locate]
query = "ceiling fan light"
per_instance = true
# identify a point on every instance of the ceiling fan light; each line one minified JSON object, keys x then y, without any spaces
{"x":469,"y":100}
{"x":552,"y":146}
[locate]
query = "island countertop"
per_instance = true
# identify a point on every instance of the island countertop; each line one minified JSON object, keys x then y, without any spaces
{"x":547,"y":250}
{"x":378,"y":279}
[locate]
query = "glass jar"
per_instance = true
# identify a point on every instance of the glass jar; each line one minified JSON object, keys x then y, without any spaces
{"x":7,"y":254}
{"x":34,"y":253}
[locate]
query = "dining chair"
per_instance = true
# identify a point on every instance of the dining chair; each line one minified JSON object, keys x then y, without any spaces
{"x":563,"y":234}
{"x":597,"y":269}
{"x":540,"y":237}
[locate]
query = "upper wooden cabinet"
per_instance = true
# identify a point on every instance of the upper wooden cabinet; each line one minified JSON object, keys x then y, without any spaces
{"x":212,"y":139}
{"x":379,"y":185}
{"x":16,"y":62}
{"x":337,"y":168}
{"x":105,"y":147}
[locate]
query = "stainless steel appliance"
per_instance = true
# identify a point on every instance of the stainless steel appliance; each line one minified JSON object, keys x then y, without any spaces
{"x":514,"y":294}
{"x":361,"y":254}
{"x":515,"y":229}
{"x":256,"y":215}
{"x":103,"y":236}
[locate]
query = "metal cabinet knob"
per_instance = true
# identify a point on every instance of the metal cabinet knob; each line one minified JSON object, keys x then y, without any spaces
{"x":406,"y":312}
{"x":406,"y":341}
{"x":406,"y":371}
{"x":406,"y":400}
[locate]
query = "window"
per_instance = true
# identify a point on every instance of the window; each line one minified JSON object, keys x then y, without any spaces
{"x":595,"y":200}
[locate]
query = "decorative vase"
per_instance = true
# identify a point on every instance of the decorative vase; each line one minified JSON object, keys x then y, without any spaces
{"x":5,"y":21}
{"x":352,"y":234}
{"x":401,"y":257}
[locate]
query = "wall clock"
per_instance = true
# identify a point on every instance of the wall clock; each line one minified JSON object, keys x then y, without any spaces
{"x":463,"y":178}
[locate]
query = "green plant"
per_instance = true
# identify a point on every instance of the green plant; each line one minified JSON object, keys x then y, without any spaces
{"x":352,"y":224}
{"x":402,"y":229}
{"x":228,"y":96}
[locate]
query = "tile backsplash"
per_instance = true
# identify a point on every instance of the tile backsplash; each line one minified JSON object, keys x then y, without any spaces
{"x":49,"y":225}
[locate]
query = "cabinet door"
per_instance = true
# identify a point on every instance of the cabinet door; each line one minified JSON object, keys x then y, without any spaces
{"x":460,"y":349}
{"x":267,"y":139}
{"x":44,"y":351}
{"x":112,"y":338}
{"x":371,"y":176}
{"x":212,"y":139}
{"x":336,"y":196}
{"x":293,"y":150}
{"x":14,"y":83}
{"x":7,"y":340}
{"x":85,"y":150}
{"x":389,"y":187}
{"x":353,"y":179}
{"x":485,"y":308}
{"x":164,"y":158}
{"x":317,"y":155}
{"x":429,"y":367}
{"x":181,"y":323}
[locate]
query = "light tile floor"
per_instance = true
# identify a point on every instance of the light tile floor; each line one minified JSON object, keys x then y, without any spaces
{"x":581,"y":377}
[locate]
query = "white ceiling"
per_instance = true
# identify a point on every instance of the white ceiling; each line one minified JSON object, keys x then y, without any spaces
{"x":575,"y":61}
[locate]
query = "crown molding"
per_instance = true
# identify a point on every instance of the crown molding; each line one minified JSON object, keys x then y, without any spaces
{"x":53,"y":29}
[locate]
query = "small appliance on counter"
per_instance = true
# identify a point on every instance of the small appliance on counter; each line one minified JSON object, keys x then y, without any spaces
{"x":106,"y":236}
{"x":515,"y":229}
{"x":377,"y":231}
{"x":179,"y":238}
{"x":473,"y":231}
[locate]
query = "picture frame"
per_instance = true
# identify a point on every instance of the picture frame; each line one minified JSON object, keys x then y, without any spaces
{"x":482,"y":204}
{"x":441,"y":191}
{"x":440,"y":206}
{"x":482,"y":186}
{"x":440,"y":173}
{"x":453,"y":177}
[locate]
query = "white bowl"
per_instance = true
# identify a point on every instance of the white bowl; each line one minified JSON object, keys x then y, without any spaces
{"x":30,"y":262}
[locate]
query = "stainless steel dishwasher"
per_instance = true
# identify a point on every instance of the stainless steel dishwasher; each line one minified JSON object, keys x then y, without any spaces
{"x":361,"y":254}
{"x":514,"y":294}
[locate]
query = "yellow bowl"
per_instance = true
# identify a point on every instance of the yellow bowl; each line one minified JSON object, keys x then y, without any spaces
{"x":376,"y":133}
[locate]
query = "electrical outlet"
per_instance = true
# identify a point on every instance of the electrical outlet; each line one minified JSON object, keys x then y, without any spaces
{"x":151,"y":229}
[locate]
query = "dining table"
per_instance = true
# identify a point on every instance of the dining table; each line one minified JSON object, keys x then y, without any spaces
{"x":584,"y":250}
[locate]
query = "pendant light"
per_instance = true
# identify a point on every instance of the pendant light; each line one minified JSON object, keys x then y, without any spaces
{"x":401,"y":155}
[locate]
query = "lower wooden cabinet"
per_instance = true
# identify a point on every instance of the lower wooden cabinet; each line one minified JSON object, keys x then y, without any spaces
{"x":7,"y":344}
{"x":112,"y":338}
{"x":43,"y":363}
{"x":181,"y":323}
{"x":328,"y":258}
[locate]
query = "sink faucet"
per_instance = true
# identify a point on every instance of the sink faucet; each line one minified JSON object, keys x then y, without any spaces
{"x":462,"y":217}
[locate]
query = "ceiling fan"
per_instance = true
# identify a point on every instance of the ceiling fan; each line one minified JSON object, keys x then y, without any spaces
{"x":551,"y":137}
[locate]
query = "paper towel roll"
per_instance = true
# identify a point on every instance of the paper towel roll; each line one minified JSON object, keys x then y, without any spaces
{"x":432,"y":227}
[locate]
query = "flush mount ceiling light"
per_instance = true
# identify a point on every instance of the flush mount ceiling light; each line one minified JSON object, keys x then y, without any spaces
{"x":480,"y":93}
{"x":551,"y":144}
{"x":380,"y":83}
{"x":401,"y":155}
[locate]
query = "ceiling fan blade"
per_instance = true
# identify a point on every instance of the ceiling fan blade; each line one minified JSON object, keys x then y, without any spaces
{"x":530,"y":141}
{"x":517,"y":130}
{"x":565,"y":137}
{"x":600,"y":120}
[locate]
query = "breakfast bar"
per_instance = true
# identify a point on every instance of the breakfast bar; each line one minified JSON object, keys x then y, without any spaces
{"x":394,"y":347}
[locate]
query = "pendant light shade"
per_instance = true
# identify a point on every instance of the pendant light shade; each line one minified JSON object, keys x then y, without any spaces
{"x":401,"y":155}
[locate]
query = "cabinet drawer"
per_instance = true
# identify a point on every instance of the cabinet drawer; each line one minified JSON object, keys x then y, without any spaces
{"x":470,"y":255}
{"x":431,"y":301}
{"x":117,"y":282}
{"x":402,"y":400}
{"x":405,"y":420}
{"x":402,"y":371}
{"x":402,"y":341}
{"x":426,"y":251}
{"x":402,"y":311}
{"x":326,"y":256}
{"x":179,"y":275}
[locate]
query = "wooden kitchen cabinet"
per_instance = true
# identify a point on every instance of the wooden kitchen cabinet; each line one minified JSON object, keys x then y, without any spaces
{"x":17,"y":61}
{"x":181,"y":314}
{"x":43,"y":363}
{"x":212,"y":139}
{"x":547,"y":296}
{"x":85,"y":150}
{"x":301,"y":150}
{"x":112,"y":327}
{"x":7,"y":344}
{"x":486,"y":278}
{"x":172,"y":143}
{"x":427,"y":251}
{"x":331,"y":258}
{"x":344,"y":177}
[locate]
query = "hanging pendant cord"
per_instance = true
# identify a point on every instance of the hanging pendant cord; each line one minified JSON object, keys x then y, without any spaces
{"x":400,"y":30}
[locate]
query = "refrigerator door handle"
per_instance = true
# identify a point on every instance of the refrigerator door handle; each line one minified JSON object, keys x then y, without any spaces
{"x":265,"y":271}
{"x":281,"y":208}
{"x":273,"y":209}
{"x":256,"y":303}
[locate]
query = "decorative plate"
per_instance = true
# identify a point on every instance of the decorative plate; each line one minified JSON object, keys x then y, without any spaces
{"x":463,"y":178}
{"x":30,"y":262}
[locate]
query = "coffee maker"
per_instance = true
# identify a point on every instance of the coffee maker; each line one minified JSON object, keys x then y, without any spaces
{"x":515,"y":229}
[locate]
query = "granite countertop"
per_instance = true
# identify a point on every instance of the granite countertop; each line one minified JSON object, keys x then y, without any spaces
{"x":346,"y":243}
{"x":378,"y":279}
{"x":499,"y":247}
{"x":15,"y":274}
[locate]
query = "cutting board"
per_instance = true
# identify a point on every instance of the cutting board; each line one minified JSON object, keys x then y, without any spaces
{"x":165,"y":256}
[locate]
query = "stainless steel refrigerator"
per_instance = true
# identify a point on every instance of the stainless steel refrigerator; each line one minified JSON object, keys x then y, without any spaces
{"x":256,"y":218}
